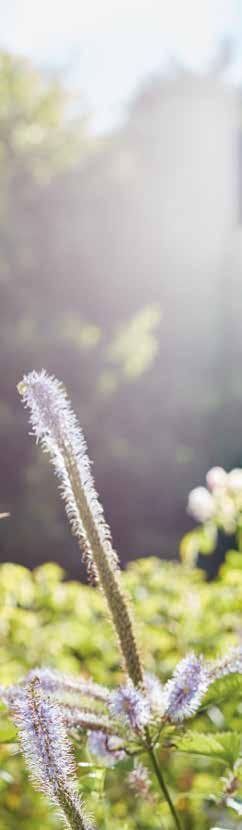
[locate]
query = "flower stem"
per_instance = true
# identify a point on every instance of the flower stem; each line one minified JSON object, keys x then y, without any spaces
{"x":162,"y":785}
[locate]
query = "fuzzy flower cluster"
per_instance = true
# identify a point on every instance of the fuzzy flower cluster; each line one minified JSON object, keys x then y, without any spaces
{"x":230,"y":664}
{"x":183,"y":694}
{"x":85,"y":719}
{"x":56,"y":428}
{"x":47,"y":752}
{"x":132,"y":705}
{"x":110,"y":721}
{"x":221,"y":501}
{"x":59,"y":683}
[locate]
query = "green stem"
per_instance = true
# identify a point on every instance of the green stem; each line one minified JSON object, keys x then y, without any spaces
{"x":163,"y":787}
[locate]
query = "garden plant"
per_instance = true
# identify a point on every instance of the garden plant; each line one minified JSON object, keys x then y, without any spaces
{"x":144,"y":736}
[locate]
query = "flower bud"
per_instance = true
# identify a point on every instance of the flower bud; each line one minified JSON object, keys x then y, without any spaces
{"x":227,"y":514}
{"x":235,"y":481}
{"x":201,"y":504}
{"x":216,"y":477}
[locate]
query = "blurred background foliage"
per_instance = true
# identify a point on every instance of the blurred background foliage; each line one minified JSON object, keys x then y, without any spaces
{"x":46,"y":620}
{"x":120,"y":260}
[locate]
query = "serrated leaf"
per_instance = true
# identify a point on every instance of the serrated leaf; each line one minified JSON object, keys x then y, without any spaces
{"x":227,"y":687}
{"x":225,"y":746}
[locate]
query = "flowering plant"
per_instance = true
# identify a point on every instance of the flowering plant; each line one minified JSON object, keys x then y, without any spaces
{"x":217,"y":507}
{"x":142,"y":717}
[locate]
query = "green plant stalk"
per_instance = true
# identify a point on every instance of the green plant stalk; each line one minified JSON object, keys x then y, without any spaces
{"x":161,"y":782}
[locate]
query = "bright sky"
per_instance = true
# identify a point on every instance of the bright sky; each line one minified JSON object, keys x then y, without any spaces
{"x":107,"y":47}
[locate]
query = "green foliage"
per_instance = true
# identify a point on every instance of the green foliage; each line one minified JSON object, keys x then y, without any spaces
{"x":224,"y":746}
{"x":223,"y":689}
{"x":45,"y":620}
{"x":37,"y":135}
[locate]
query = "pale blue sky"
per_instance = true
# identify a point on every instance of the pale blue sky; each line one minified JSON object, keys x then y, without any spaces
{"x":107,"y":47}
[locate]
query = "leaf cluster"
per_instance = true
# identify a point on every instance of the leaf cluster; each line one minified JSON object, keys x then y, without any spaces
{"x":46,"y":620}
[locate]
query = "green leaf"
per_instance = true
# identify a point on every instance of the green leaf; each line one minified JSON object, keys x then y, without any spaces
{"x":225,"y":746}
{"x":227,"y":687}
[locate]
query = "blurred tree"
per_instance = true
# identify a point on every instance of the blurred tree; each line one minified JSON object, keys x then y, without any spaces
{"x":112,"y":269}
{"x":39,"y":139}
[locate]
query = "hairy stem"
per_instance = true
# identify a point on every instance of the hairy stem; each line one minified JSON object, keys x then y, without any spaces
{"x":109,"y":580}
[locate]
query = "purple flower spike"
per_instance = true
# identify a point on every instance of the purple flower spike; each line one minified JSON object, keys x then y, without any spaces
{"x":48,"y":753}
{"x":59,"y":683}
{"x":184,"y":692}
{"x":132,"y":705}
{"x":56,"y":429}
{"x":230,"y":664}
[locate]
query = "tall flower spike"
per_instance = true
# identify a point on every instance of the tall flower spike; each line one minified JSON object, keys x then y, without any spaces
{"x":48,"y":753}
{"x":56,"y":428}
{"x":230,"y":664}
{"x":87,"y":720}
{"x":60,"y":683}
